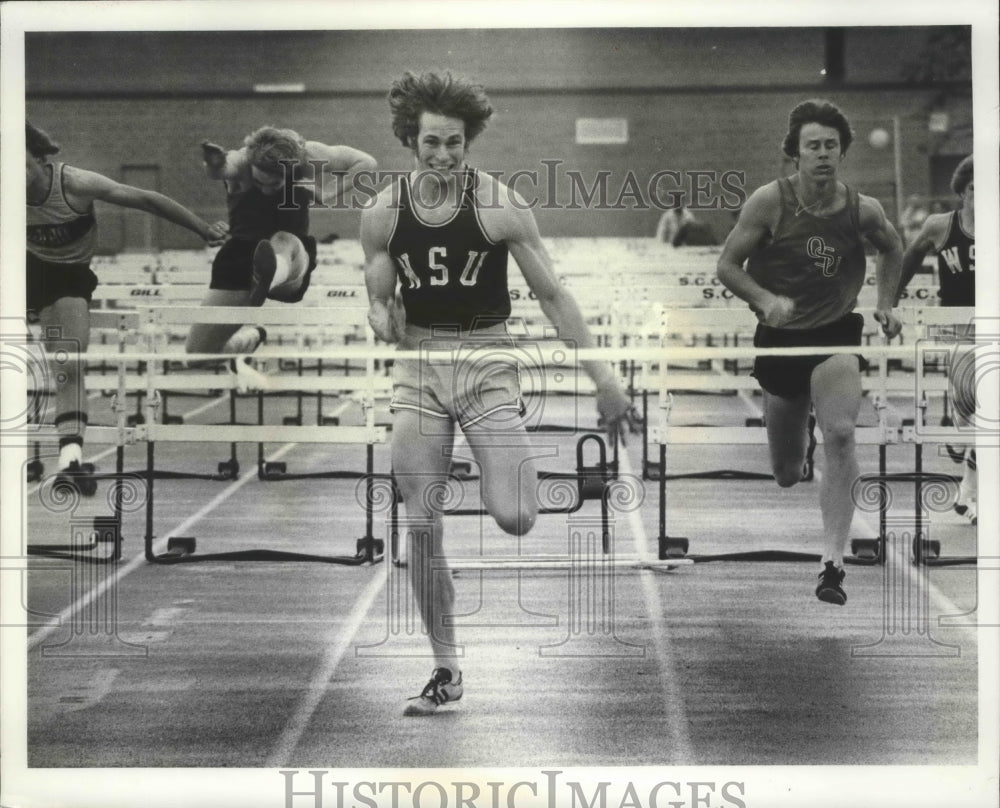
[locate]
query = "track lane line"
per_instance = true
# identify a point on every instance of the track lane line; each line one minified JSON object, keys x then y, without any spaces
{"x":286,"y":744}
{"x":70,"y":611}
{"x":681,"y":751}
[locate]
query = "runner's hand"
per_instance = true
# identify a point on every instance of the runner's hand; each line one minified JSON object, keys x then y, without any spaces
{"x":385,"y":321}
{"x":891,"y":324}
{"x":213,"y":155}
{"x":617,"y":415}
{"x":217,"y":234}
{"x":777,"y":311}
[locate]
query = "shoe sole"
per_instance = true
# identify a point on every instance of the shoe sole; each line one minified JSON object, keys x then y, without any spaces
{"x":831,"y":596}
{"x":416,"y":710}
{"x":265,"y":263}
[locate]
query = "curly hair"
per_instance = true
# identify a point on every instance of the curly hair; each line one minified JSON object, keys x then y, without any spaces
{"x":441,"y":93}
{"x":963,"y":176}
{"x":38,"y":143}
{"x":269,"y":146}
{"x":816,"y":110}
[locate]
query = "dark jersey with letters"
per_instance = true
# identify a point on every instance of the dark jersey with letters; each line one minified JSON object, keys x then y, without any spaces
{"x":450,"y":274}
{"x":817,"y":261}
{"x":56,"y":231}
{"x":957,"y":266}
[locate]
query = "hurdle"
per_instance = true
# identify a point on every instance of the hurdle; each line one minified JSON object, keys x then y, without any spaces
{"x":182,"y":549}
{"x":102,"y":530}
{"x":866,"y":551}
{"x":591,"y":482}
{"x":916,"y":431}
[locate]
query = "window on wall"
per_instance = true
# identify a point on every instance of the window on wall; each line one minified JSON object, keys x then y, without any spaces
{"x":601,"y":130}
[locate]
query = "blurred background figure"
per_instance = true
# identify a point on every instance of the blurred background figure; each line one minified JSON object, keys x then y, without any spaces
{"x":679,"y":227}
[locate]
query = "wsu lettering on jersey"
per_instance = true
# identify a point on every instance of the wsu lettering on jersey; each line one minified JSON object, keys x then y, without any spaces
{"x":450,"y":274}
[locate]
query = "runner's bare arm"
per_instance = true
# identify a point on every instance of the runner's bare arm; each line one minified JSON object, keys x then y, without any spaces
{"x":928,"y":241}
{"x":345,"y":164}
{"x":879,"y":231}
{"x":757,"y":220}
{"x":384,"y":316}
{"x":89,"y":186}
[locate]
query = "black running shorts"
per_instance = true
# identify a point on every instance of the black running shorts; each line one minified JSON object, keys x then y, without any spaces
{"x":46,"y":282}
{"x":790,"y":376}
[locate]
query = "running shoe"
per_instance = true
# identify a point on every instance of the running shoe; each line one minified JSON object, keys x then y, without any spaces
{"x":439,"y":689}
{"x":830,"y":589}
{"x":76,"y":478}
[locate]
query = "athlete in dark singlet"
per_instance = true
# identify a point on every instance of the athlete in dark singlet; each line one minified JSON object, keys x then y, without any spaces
{"x":270,"y":253}
{"x":443,"y":233}
{"x":61,"y":238}
{"x":952,"y":238}
{"x":801,"y":238}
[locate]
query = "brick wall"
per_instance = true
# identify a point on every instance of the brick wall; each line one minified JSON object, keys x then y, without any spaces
{"x":672,"y":89}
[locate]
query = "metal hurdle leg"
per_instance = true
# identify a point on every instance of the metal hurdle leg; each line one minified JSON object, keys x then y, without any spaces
{"x":90,"y":533}
{"x":927,"y":551}
{"x":676,"y":547}
{"x":181,"y":549}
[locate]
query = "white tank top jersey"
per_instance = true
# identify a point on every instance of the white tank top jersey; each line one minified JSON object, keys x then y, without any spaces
{"x":56,"y":231}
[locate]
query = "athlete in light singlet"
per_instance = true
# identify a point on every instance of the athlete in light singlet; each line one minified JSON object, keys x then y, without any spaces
{"x":270,"y":185}
{"x":952,"y":238}
{"x":443,"y":232}
{"x":802,"y":240}
{"x":61,"y":239}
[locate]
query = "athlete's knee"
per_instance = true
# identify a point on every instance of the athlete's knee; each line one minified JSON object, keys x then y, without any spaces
{"x":517,"y":519}
{"x":787,"y":474}
{"x":838,"y":437}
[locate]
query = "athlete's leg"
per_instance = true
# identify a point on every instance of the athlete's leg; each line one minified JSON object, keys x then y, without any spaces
{"x":836,"y":393}
{"x":280,"y":264}
{"x":66,"y":326}
{"x":212,"y":337}
{"x":420,"y":461}
{"x":787,"y":438}
{"x":508,"y":477}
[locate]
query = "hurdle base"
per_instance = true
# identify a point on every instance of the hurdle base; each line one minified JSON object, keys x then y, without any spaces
{"x":868,"y":550}
{"x":927,"y":553}
{"x":181,"y":550}
{"x":865,"y":552}
{"x":277,"y":470}
{"x":673,"y":547}
{"x":652,"y":472}
{"x":106,"y":530}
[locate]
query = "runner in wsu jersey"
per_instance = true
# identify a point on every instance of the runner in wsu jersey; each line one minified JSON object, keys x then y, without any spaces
{"x":443,"y":233}
{"x":450,"y":273}
{"x":801,"y":238}
{"x":952,"y":237}
{"x":61,"y":238}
